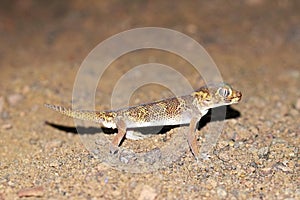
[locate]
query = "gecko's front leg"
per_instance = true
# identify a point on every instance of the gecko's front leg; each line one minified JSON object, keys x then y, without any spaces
{"x":192,"y":139}
{"x":122,"y":127}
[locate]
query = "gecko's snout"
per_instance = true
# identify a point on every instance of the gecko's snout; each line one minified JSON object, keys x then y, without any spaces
{"x":235,"y":97}
{"x":238,"y":96}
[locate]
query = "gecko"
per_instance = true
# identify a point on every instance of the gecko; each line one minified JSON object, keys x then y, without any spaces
{"x":188,"y":109}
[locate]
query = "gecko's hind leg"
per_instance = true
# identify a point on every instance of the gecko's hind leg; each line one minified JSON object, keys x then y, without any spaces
{"x":192,"y":140}
{"x":121,"y":126}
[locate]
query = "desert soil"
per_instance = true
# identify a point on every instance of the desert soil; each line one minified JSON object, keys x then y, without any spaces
{"x":254,"y":43}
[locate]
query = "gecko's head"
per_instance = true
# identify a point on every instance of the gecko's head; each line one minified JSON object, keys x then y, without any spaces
{"x":214,"y":95}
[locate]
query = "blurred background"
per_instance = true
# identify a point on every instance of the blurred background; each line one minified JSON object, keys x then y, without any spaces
{"x":255,"y":44}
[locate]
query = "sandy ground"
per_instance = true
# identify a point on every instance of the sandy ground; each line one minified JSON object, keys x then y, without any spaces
{"x":255,"y":44}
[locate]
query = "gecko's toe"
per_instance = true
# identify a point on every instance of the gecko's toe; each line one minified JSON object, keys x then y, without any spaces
{"x":113,"y":149}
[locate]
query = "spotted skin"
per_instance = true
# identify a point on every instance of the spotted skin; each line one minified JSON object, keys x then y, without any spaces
{"x":186,"y":109}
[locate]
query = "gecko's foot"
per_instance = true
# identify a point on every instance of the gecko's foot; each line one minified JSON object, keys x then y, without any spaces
{"x":113,"y":149}
{"x":202,"y":157}
{"x":198,"y":159}
{"x":205,"y":156}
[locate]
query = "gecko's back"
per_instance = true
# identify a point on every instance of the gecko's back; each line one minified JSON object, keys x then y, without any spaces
{"x":171,"y":111}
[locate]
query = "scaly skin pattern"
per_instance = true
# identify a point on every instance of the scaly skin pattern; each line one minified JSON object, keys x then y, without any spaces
{"x":186,"y":109}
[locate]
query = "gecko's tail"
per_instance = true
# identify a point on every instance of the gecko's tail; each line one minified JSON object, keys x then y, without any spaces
{"x":78,"y":114}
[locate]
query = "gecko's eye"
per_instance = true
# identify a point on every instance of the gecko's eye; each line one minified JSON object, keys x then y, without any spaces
{"x":224,"y":92}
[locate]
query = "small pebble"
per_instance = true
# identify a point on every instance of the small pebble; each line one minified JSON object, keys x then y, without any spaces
{"x":224,"y":156}
{"x":2,"y":196}
{"x":298,"y":104}
{"x":1,"y":104}
{"x":6,"y":126}
{"x":25,"y":89}
{"x":266,"y":171}
{"x":221,"y":192}
{"x":263,"y":152}
{"x":254,"y":130}
{"x":54,"y":164}
{"x":31,"y":192}
{"x":283,"y":168}
{"x":106,"y":180}
{"x":5,"y":115}
{"x":231,"y":143}
{"x":11,"y":183}
{"x":124,"y":160}
{"x":294,"y":112}
{"x":148,"y":193}
{"x":211,"y":183}
{"x":14,"y":99}
{"x":53,"y":144}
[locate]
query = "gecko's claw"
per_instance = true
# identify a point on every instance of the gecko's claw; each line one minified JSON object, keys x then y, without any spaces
{"x":113,"y":149}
